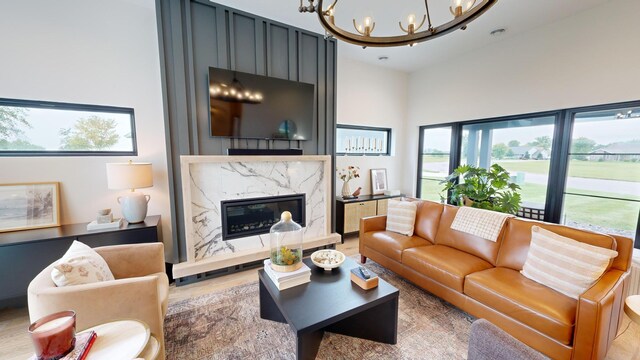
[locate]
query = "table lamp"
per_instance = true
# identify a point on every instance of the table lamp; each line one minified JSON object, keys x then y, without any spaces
{"x":131,"y":176}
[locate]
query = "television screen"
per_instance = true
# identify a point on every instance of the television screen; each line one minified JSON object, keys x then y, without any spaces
{"x":252,"y":106}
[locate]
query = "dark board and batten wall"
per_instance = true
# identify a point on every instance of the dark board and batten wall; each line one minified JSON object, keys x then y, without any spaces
{"x":197,"y":34}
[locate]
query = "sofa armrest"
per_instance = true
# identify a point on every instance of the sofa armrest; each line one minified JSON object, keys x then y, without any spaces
{"x":373,"y":223}
{"x":598,"y":312}
{"x":134,"y":260}
{"x":97,"y":303}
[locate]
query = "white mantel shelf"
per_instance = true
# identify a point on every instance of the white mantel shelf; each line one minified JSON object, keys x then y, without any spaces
{"x":208,"y":180}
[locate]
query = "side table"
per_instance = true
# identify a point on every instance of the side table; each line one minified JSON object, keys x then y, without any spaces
{"x":632,"y":309}
{"x":123,"y":339}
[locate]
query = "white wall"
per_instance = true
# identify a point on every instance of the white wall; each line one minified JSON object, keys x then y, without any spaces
{"x":87,"y":52}
{"x":588,"y":59}
{"x":373,"y":96}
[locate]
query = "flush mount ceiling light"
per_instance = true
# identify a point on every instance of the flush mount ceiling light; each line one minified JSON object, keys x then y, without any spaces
{"x":463,"y":12}
{"x":234,"y":93}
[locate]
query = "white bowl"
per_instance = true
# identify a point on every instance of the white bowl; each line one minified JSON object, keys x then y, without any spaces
{"x":327,"y":267}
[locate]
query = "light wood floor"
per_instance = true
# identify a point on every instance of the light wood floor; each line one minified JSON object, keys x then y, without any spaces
{"x":15,"y":343}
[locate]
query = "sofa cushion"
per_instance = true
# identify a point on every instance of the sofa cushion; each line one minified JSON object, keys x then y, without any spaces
{"x":563,"y":264}
{"x":475,"y":245}
{"x":535,"y":305}
{"x":517,"y":239}
{"x":427,"y":219}
{"x":443,"y":264}
{"x":391,"y":244}
{"x":401,"y":216}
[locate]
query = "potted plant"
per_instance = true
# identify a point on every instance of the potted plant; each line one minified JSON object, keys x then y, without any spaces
{"x":478,"y":187}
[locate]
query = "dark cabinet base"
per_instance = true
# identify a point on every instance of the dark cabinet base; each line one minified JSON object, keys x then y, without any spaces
{"x":23,"y":254}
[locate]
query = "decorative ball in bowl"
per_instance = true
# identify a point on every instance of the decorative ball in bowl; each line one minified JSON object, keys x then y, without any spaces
{"x":327,"y":259}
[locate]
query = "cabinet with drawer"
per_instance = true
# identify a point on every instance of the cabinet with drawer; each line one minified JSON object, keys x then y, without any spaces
{"x":350,"y":211}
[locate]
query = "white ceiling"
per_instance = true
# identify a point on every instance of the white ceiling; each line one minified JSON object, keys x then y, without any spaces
{"x":517,"y":16}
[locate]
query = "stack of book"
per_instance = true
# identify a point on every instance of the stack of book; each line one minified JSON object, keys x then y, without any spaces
{"x":286,"y":280}
{"x":83,"y":344}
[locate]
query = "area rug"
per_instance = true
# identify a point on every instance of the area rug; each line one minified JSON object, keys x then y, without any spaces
{"x":227,"y":325}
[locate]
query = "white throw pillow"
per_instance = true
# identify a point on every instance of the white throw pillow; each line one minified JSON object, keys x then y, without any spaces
{"x":80,"y":265}
{"x":568,"y":266}
{"x":401,"y":216}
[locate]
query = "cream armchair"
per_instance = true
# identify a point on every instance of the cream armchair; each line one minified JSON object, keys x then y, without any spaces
{"x":140,"y":291}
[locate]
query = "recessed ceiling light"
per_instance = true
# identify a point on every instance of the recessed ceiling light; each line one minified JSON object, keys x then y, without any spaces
{"x":498,"y":32}
{"x":383,"y":58}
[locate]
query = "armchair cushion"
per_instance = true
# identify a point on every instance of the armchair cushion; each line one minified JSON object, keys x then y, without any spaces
{"x":80,"y":265}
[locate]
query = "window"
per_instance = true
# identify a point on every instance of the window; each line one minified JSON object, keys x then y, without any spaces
{"x":48,"y":128}
{"x":579,"y":167}
{"x":602,"y":191}
{"x":520,"y":145}
{"x":362,"y":140}
{"x":434,"y":162}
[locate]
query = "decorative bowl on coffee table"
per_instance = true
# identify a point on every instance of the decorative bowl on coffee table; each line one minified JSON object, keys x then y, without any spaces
{"x":327,"y":259}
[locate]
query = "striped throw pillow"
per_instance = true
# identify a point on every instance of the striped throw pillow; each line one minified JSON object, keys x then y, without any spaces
{"x":567,"y":266}
{"x":401,"y":216}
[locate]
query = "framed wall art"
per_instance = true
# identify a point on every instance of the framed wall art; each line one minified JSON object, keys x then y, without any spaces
{"x":379,"y":181}
{"x":29,"y":206}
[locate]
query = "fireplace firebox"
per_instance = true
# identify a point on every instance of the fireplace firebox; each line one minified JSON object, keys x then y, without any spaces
{"x":255,"y":216}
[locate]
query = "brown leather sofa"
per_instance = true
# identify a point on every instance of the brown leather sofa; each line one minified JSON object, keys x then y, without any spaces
{"x":483,"y":278}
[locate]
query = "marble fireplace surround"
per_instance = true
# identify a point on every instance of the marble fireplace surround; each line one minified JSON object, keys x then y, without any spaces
{"x":208,"y":180}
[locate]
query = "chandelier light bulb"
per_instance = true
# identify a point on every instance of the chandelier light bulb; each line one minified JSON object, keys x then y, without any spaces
{"x":411,"y":19}
{"x":367,"y":26}
{"x":459,"y":7}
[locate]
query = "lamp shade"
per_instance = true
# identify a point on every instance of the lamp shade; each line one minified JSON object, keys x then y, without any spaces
{"x":129,"y":175}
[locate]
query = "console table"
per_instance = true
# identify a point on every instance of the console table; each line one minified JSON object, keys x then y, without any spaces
{"x":350,"y":211}
{"x":23,"y":254}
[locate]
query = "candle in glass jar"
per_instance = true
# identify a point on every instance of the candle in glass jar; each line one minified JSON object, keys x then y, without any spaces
{"x":53,"y":336}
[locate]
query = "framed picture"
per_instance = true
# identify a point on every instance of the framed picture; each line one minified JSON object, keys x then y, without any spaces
{"x":29,"y":206}
{"x":379,"y":181}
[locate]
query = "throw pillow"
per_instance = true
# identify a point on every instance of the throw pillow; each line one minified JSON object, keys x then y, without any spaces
{"x":563,"y":264}
{"x":80,"y":265}
{"x":401,"y":216}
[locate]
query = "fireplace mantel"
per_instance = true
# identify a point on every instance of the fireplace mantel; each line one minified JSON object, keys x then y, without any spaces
{"x":209,"y":180}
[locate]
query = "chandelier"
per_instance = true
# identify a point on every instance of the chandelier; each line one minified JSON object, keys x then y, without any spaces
{"x":235,"y":92}
{"x":463,"y":12}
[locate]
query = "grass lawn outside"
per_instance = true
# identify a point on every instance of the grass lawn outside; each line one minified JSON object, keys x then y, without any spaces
{"x":609,"y":170}
{"x":616,"y":216}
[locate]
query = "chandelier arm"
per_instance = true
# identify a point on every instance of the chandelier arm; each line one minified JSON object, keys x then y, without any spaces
{"x":406,"y":39}
{"x":402,"y":28}
{"x":426,"y":5}
{"x":356,"y":27}
{"x":329,"y":8}
{"x":424,"y":18}
{"x":373,"y":26}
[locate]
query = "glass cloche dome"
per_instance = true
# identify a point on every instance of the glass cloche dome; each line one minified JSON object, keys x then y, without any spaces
{"x":286,"y":244}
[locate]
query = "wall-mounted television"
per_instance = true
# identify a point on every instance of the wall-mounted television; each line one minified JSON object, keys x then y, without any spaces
{"x":259,"y":107}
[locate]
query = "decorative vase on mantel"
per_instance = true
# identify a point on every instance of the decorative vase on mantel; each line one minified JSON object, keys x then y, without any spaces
{"x":346,"y":190}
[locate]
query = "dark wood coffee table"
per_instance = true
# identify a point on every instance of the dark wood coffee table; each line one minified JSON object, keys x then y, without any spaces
{"x":331,"y":302}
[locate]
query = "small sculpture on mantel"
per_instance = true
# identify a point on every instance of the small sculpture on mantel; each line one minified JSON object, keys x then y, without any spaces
{"x":357,"y":192}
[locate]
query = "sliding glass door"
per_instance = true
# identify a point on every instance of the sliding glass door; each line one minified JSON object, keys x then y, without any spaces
{"x":602,"y":191}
